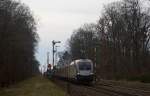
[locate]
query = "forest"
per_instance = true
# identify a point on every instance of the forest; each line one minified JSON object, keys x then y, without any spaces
{"x":18,"y":41}
{"x":118,"y":43}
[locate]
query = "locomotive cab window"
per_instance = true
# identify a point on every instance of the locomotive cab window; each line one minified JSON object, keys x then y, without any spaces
{"x":84,"y":66}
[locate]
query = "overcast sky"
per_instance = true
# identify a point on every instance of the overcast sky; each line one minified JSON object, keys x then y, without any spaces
{"x":58,"y":18}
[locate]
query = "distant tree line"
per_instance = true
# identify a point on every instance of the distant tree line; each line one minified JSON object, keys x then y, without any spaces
{"x":18,"y":40}
{"x":119,"y":42}
{"x":64,"y":59}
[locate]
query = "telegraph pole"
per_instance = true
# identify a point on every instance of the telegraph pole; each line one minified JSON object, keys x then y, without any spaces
{"x":56,"y":54}
{"x":95,"y":50}
{"x":53,"y":52}
{"x":47,"y":58}
{"x":95,"y":60}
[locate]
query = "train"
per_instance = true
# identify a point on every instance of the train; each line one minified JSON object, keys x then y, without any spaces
{"x":80,"y":70}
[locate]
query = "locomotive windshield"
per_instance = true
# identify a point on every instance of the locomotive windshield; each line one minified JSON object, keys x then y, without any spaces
{"x":84,"y":66}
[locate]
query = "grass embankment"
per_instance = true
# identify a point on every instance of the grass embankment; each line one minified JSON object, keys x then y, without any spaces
{"x":36,"y":86}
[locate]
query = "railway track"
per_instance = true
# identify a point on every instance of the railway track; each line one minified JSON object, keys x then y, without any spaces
{"x":111,"y":92}
{"x":128,"y":90}
{"x":106,"y":88}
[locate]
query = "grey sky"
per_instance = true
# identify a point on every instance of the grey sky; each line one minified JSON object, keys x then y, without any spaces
{"x":58,"y":19}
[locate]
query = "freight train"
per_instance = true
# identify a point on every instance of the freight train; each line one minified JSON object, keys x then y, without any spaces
{"x":78,"y":70}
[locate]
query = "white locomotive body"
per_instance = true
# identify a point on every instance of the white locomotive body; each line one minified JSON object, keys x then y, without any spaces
{"x":79,"y":70}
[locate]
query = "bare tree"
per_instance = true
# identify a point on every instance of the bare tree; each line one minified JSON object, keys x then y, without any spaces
{"x":18,"y":39}
{"x":124,"y":30}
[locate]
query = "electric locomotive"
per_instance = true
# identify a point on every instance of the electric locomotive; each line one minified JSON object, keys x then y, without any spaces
{"x":79,"y":70}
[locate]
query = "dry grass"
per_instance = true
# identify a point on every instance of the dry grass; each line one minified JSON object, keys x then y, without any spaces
{"x":36,"y":86}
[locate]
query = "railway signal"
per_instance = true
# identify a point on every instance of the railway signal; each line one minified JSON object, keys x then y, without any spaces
{"x":53,"y":44}
{"x":49,"y":66}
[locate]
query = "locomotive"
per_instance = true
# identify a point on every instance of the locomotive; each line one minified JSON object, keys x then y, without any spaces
{"x":78,"y":70}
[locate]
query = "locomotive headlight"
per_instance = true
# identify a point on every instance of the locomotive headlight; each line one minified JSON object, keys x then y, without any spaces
{"x":91,"y":73}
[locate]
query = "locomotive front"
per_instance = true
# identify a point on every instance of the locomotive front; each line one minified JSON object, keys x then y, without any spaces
{"x":85,"y":70}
